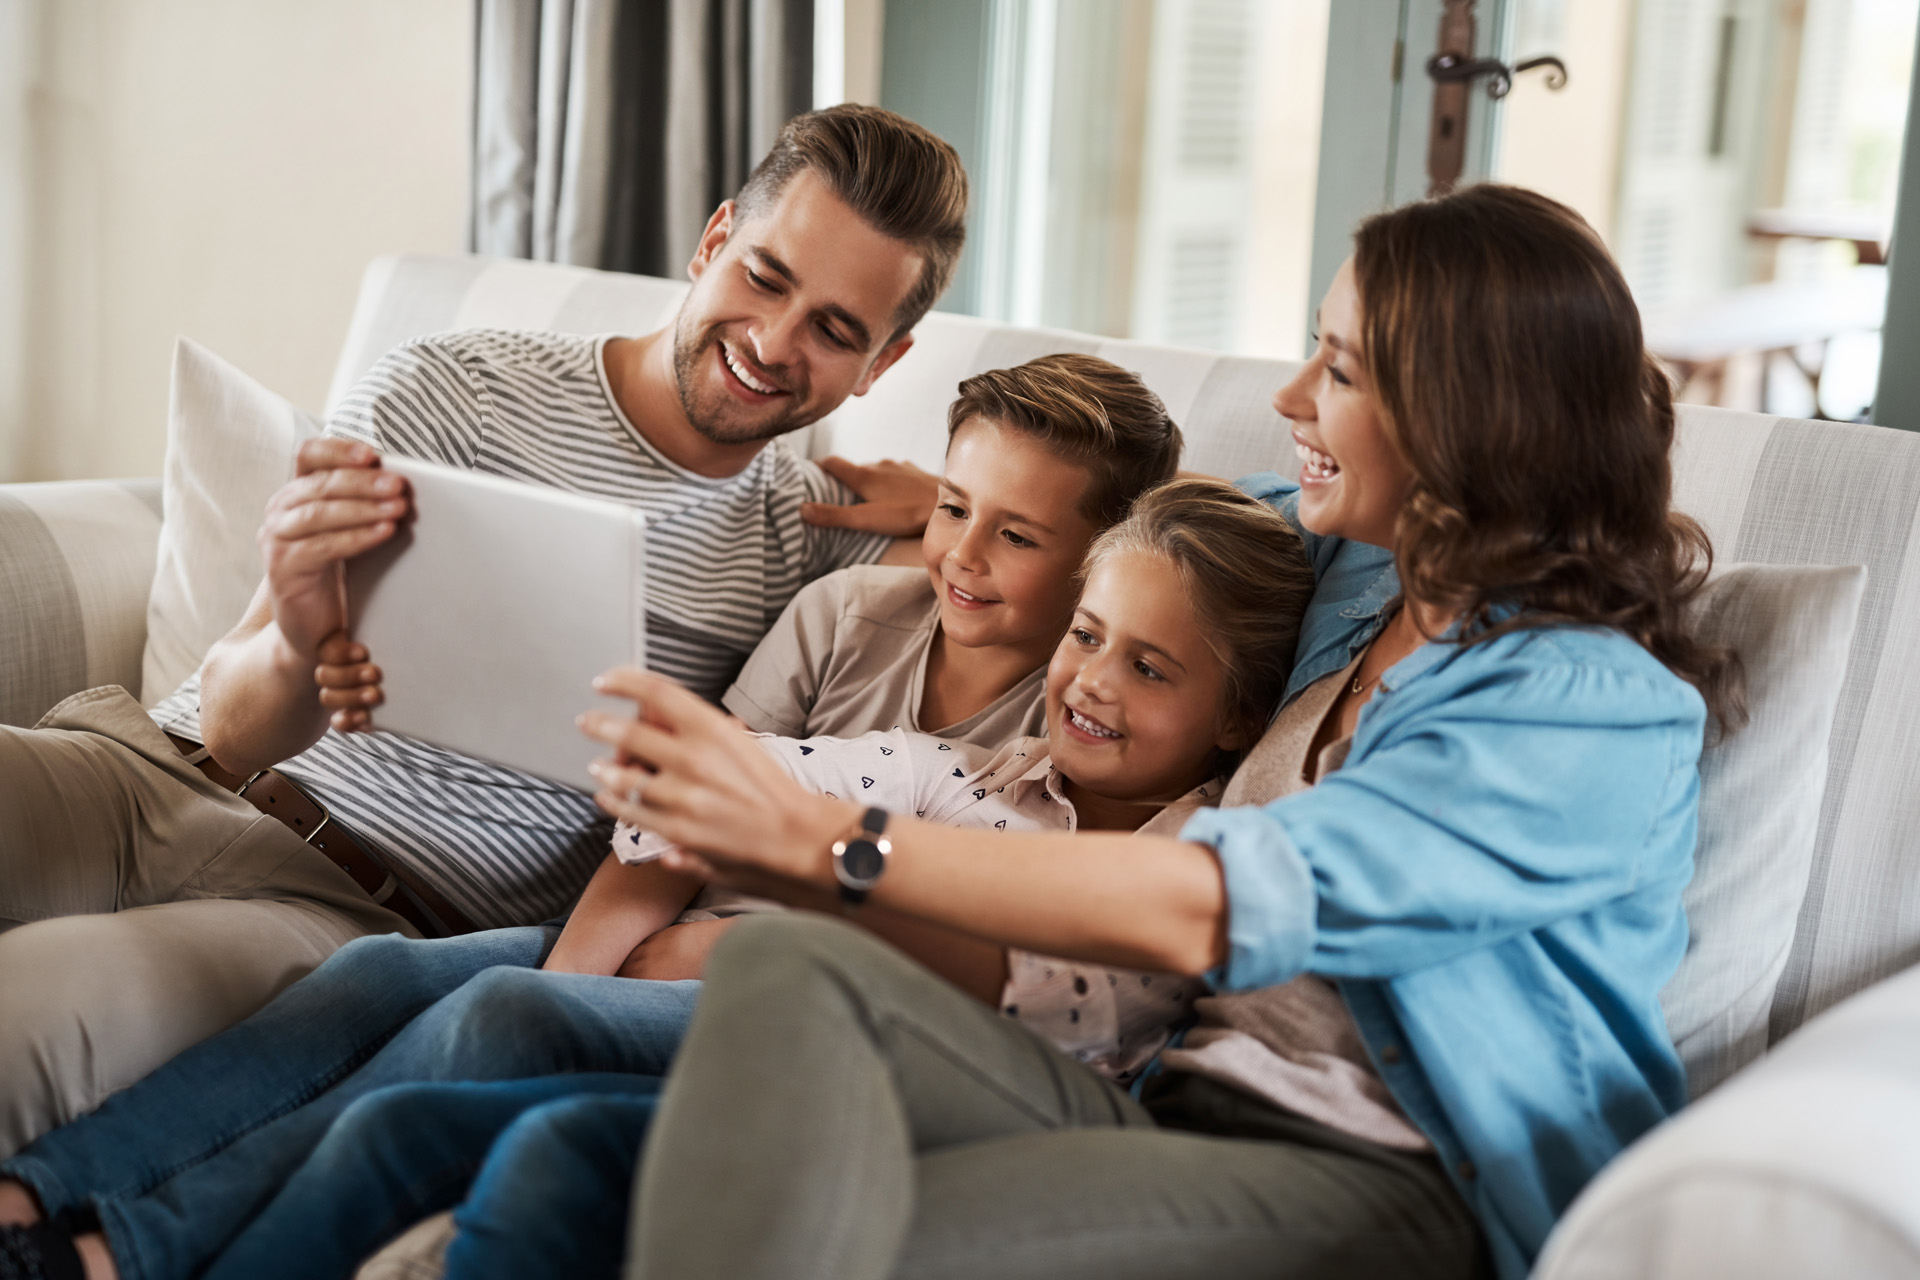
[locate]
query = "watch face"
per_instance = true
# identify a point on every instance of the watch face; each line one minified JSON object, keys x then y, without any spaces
{"x":862,"y":859}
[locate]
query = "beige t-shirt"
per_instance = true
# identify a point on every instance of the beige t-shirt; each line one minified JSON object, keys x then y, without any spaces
{"x":1295,"y":1044}
{"x":849,"y":656}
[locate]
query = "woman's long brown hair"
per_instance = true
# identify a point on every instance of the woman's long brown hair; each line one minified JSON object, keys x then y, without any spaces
{"x":1506,"y":356}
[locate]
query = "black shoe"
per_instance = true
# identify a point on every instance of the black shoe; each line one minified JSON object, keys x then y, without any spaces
{"x":39,"y":1252}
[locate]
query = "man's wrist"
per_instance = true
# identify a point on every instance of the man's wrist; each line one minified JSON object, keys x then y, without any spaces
{"x":285,"y":659}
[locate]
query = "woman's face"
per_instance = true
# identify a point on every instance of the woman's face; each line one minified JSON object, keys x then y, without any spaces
{"x":1135,"y":695}
{"x":1006,"y":536}
{"x":1352,"y":480}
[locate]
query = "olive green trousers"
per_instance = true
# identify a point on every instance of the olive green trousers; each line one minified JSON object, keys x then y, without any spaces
{"x":838,"y":1112}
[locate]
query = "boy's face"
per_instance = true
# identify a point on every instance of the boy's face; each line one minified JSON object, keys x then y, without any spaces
{"x":1135,"y":694}
{"x":790,"y":313}
{"x":1006,"y":536}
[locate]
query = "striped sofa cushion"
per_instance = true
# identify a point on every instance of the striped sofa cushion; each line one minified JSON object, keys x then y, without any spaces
{"x":1769,"y":490}
{"x":76,"y":559}
{"x":1787,"y":491}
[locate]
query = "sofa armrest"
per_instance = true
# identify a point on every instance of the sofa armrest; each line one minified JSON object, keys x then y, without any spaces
{"x":1804,"y":1164}
{"x":76,"y":564}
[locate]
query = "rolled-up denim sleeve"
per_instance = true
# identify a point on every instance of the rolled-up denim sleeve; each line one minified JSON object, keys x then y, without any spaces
{"x":1270,"y":896}
{"x":1492,"y":800}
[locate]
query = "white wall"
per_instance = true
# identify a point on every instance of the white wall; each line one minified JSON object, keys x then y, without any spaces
{"x":1286,"y":169}
{"x":846,"y":51}
{"x":1566,"y":143}
{"x":222,"y":169}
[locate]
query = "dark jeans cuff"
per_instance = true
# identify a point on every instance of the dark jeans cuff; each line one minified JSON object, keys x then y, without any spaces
{"x":39,"y":1177}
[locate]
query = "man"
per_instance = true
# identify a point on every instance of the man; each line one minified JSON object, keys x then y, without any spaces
{"x":164,"y":907}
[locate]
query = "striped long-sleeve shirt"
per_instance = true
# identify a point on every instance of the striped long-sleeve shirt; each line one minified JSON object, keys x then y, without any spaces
{"x":724,"y":558}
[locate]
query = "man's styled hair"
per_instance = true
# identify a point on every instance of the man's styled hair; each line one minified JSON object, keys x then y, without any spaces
{"x":1090,"y":412}
{"x":901,"y":179}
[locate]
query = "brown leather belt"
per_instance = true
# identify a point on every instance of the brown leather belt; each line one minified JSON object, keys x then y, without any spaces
{"x":275,"y":794}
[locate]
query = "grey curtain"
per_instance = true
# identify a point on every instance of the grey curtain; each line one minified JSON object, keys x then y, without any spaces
{"x":606,"y":131}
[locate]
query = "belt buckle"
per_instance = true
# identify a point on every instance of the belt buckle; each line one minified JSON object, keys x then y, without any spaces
{"x":387,"y":887}
{"x":326,"y":814}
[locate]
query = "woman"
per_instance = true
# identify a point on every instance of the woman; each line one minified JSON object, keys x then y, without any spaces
{"x":1439,"y":900}
{"x":1165,"y":675}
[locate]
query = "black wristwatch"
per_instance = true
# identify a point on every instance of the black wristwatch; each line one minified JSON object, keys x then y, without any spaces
{"x":859,"y":859}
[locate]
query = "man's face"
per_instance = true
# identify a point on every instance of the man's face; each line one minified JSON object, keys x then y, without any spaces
{"x":791,"y":312}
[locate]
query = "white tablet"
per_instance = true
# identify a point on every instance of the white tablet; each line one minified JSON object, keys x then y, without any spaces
{"x":491,"y":611}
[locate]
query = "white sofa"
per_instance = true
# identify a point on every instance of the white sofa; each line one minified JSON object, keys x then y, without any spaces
{"x":1802,"y":1155}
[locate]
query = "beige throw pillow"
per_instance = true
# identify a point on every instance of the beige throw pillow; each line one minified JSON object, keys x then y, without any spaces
{"x":230,"y":444}
{"x":1760,"y":794}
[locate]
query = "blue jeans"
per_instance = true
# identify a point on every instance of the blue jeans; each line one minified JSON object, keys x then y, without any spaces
{"x":551,"y":1199}
{"x":177,"y":1166}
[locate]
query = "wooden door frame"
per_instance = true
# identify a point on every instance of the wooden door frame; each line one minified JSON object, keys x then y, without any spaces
{"x":1896,"y":399}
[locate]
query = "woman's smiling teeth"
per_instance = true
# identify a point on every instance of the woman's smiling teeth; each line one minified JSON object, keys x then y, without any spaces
{"x":1315,"y":465}
{"x":1088,"y":725}
{"x":740,"y":372}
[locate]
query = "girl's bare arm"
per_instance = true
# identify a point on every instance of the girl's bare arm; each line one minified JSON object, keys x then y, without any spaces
{"x":1127,"y":900}
{"x":621,"y":906}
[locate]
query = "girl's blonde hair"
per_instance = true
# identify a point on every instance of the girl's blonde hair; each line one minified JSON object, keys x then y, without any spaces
{"x":1246,"y":575}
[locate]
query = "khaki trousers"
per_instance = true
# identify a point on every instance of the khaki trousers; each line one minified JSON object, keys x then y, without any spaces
{"x":145,"y":909}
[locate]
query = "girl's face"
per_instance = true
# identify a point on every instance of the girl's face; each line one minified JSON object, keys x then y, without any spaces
{"x":1006,"y":535}
{"x":1353,"y":481}
{"x":1135,"y":696}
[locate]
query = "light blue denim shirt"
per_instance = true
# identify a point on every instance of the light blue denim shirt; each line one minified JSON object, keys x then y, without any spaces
{"x":1493,"y":880}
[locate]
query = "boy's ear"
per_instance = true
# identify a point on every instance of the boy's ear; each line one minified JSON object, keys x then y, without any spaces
{"x":1232,"y":738}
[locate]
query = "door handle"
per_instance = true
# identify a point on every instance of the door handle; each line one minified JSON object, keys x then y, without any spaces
{"x":1452,"y":68}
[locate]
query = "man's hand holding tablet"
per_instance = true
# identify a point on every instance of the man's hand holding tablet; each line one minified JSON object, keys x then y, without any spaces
{"x":491,"y":609}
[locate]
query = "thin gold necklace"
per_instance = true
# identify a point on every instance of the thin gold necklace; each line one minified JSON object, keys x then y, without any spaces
{"x":1361,"y":686}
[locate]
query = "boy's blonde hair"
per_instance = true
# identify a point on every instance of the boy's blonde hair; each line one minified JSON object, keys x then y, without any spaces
{"x":1246,"y":574}
{"x":1089,"y":411}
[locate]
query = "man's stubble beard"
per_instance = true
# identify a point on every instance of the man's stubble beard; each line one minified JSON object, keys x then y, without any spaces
{"x":689,"y":353}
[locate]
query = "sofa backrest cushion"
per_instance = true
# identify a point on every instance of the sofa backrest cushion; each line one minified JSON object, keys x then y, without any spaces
{"x":230,"y":444}
{"x":1788,"y":491}
{"x":413,"y":295}
{"x":1760,"y":792}
{"x":1219,"y":401}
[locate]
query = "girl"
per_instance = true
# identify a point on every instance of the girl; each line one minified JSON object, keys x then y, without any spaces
{"x":1439,"y":899}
